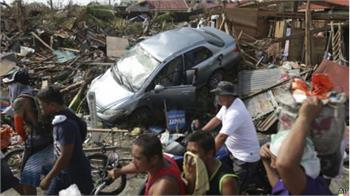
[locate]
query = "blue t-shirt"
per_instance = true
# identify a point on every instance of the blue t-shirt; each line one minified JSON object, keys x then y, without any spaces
{"x":313,"y":187}
{"x":67,"y":132}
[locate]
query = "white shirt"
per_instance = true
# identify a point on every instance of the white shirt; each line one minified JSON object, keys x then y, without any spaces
{"x":242,"y":140}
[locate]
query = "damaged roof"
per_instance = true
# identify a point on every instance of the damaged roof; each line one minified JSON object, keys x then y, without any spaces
{"x":153,"y":5}
{"x":168,"y":5}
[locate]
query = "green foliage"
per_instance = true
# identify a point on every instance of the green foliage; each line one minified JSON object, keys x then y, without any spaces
{"x":166,"y":17}
{"x":102,"y":12}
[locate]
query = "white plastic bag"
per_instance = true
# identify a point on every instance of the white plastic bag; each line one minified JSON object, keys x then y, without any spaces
{"x":72,"y":190}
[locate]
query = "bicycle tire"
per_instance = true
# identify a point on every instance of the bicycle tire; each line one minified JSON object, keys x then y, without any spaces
{"x":121,"y":186}
{"x":16,"y":169}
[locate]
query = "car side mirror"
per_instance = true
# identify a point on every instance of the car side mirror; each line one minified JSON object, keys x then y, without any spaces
{"x":158,"y":88}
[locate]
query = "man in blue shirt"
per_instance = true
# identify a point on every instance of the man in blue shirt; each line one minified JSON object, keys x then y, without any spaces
{"x":71,"y":166}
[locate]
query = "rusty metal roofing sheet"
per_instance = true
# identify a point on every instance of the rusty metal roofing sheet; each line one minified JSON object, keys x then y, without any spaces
{"x":344,"y":3}
{"x":168,"y":5}
{"x":338,"y":74}
{"x":254,"y":80}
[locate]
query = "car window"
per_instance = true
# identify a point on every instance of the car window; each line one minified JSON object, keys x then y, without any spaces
{"x":196,"y":56}
{"x":212,"y":38}
{"x":171,"y":74}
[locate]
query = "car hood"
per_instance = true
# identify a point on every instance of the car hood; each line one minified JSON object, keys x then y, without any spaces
{"x":108,"y":92}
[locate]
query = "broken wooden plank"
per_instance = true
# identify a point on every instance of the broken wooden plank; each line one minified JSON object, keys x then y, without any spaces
{"x":223,"y":21}
{"x":70,"y":49}
{"x":112,"y":130}
{"x":42,"y":41}
{"x":72,"y":86}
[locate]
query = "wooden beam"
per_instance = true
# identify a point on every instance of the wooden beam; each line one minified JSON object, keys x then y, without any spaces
{"x":302,"y":34}
{"x":300,"y":15}
{"x":307,"y":40}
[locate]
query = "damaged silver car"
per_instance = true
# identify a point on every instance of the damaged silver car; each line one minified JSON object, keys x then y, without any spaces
{"x":166,"y":68}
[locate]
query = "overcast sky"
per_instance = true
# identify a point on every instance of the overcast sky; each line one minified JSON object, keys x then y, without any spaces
{"x":64,"y":2}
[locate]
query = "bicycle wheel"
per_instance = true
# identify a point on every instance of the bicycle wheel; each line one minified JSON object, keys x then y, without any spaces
{"x":98,"y":163}
{"x":14,"y":160}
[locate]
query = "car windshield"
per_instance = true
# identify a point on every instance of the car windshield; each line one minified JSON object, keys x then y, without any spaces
{"x":134,"y":68}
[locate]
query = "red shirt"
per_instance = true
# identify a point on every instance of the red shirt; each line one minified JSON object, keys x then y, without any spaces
{"x":170,"y":170}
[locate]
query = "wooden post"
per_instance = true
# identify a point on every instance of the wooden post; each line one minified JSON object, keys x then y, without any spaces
{"x":20,"y":15}
{"x":307,"y":40}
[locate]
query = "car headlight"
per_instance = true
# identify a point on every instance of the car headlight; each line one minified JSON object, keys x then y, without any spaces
{"x":113,"y":113}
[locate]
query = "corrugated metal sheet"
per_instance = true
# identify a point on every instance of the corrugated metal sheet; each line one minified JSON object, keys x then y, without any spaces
{"x":254,"y":80}
{"x":344,"y":3}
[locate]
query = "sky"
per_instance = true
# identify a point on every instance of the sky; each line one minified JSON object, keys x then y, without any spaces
{"x":64,"y":2}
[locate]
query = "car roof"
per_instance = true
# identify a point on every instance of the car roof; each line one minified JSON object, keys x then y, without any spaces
{"x":167,"y":43}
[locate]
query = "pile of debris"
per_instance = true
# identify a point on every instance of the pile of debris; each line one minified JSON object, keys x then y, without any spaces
{"x":66,"y":47}
{"x":277,"y":46}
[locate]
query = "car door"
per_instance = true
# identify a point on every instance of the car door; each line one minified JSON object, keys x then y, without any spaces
{"x":169,"y":85}
{"x":201,"y":59}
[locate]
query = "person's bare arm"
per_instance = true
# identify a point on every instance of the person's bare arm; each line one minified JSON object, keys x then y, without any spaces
{"x":214,"y":122}
{"x":61,"y":163}
{"x":127,"y":169}
{"x":220,"y":140}
{"x":265,"y":155}
{"x":167,"y":185}
{"x":229,"y":186}
{"x":23,"y":108}
{"x":290,"y":154}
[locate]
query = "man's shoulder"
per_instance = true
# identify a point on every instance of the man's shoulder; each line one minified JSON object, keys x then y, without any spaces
{"x":63,"y":122}
{"x":22,"y":100}
{"x":166,"y":183}
{"x":22,"y":104}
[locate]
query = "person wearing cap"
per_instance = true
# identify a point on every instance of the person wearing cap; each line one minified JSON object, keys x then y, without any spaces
{"x":237,"y":132}
{"x":290,"y":160}
{"x":37,"y":138}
